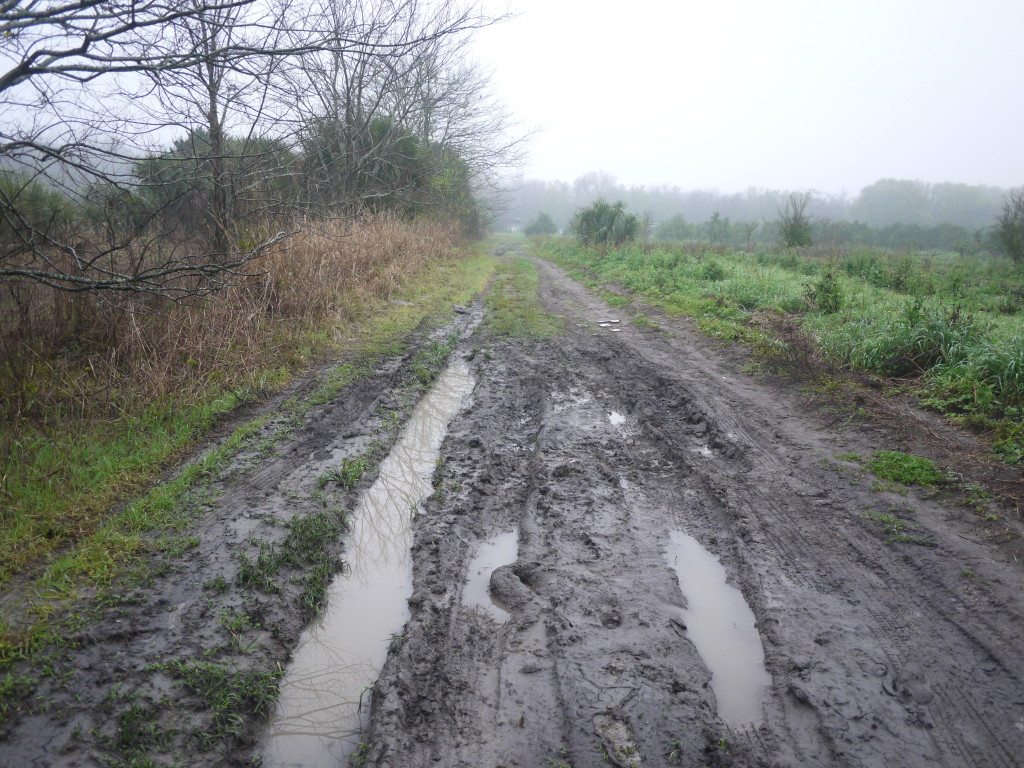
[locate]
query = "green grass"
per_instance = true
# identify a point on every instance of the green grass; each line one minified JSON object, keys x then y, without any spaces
{"x":60,"y":515}
{"x":230,"y":693}
{"x":346,"y":474}
{"x":951,"y":326}
{"x":306,"y":548}
{"x":514,"y":309}
{"x":906,"y":469}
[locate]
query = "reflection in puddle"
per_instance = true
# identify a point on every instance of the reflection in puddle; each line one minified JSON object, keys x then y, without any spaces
{"x":319,"y":718}
{"x":721,"y":626}
{"x":616,"y":418}
{"x":493,"y":553}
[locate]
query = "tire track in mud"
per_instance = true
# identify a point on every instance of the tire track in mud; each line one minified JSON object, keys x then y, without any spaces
{"x":873,"y":645}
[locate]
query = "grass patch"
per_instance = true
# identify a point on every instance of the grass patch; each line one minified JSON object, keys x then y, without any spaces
{"x":906,"y":469}
{"x":346,"y":474}
{"x":948,"y":325}
{"x":231,"y":694}
{"x":514,"y":307}
{"x":896,"y":528}
{"x":306,"y":549}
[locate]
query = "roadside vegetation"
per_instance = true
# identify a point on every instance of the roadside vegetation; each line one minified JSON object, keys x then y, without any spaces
{"x":72,"y":485}
{"x":186,"y":227}
{"x":945,"y":327}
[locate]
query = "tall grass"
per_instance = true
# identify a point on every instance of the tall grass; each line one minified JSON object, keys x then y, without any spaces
{"x":950,"y":325}
{"x":93,"y":398}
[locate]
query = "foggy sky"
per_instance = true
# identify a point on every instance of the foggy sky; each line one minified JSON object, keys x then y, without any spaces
{"x":829,"y":95}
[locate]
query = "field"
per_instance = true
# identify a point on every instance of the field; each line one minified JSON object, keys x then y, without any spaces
{"x":947,"y":328}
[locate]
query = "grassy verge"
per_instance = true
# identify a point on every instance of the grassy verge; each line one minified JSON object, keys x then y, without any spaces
{"x":948,"y":328}
{"x":111,"y":537}
{"x":514,"y":307}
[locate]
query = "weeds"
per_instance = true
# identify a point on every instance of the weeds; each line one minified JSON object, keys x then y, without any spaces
{"x":513,"y":304}
{"x":895,"y":528}
{"x":307,"y":548}
{"x":906,"y":469}
{"x":230,"y":693}
{"x":347,"y":474}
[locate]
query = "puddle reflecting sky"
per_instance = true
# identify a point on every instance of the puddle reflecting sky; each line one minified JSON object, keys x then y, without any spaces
{"x":495,"y":552}
{"x":721,"y":626}
{"x":319,"y":719}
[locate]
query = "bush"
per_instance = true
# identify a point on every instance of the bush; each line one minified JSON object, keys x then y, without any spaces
{"x":1010,"y":227}
{"x":604,"y":223}
{"x":826,"y":295}
{"x":542,"y":225}
{"x":794,"y":223}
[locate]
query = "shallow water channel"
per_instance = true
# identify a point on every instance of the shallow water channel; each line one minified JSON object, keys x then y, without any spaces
{"x":324,"y":702}
{"x":721,"y":626}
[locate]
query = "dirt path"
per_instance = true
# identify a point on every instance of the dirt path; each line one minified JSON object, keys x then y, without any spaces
{"x":595,"y":450}
{"x":881,"y":652}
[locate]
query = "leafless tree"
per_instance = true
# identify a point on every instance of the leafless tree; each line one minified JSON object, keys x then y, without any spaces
{"x":89,"y":89}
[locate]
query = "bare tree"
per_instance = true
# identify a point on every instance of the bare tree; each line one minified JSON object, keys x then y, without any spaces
{"x":92,"y":92}
{"x":794,"y":222}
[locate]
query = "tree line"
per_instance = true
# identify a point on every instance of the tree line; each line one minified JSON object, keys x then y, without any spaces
{"x":889,"y":213}
{"x":157,"y":147}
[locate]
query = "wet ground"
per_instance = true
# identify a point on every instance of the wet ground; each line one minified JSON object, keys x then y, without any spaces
{"x":631,"y":552}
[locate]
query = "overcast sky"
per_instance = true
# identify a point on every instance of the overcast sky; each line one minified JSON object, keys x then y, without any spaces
{"x":829,"y":95}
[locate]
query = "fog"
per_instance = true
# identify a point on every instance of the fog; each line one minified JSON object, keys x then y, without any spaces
{"x":793,"y":94}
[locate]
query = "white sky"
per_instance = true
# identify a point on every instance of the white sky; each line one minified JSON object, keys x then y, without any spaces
{"x":828,"y":95}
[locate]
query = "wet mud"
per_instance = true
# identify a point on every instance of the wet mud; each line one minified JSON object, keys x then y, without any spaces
{"x":599,"y":446}
{"x":597,"y":489}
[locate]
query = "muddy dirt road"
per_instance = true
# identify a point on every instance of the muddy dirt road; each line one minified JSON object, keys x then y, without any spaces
{"x":601,"y":483}
{"x":597,"y":445}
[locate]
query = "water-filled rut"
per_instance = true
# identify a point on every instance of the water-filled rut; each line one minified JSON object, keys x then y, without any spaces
{"x":325,"y":694}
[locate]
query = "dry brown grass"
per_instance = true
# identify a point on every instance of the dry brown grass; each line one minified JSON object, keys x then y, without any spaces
{"x":94,"y":399}
{"x":76,"y":356}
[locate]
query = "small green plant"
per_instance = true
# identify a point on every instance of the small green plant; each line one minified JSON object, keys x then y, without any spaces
{"x":347,"y":474}
{"x":217,"y":584}
{"x":826,"y":295}
{"x":675,"y":751}
{"x":905,"y":468}
{"x":13,"y":689}
{"x":229,"y":692}
{"x":236,"y":623}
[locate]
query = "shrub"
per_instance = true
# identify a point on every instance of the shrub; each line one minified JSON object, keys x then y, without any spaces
{"x":1010,"y":227}
{"x":604,"y":223}
{"x":794,"y":223}
{"x":542,"y":225}
{"x":826,"y":295}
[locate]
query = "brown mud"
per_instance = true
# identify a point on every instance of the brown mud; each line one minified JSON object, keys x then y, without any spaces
{"x":899,"y":647}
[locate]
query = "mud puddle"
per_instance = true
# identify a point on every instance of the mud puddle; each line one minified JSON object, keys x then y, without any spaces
{"x":493,"y":553}
{"x":721,"y":626}
{"x":324,"y":696}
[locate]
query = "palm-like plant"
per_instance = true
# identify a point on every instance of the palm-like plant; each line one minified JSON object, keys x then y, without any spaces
{"x":604,"y":223}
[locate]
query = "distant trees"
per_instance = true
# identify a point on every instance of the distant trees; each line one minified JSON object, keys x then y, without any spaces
{"x":675,"y":228}
{"x":943,"y":216}
{"x":542,"y":225}
{"x":1010,"y":227}
{"x":794,"y":222}
{"x":604,"y":223}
